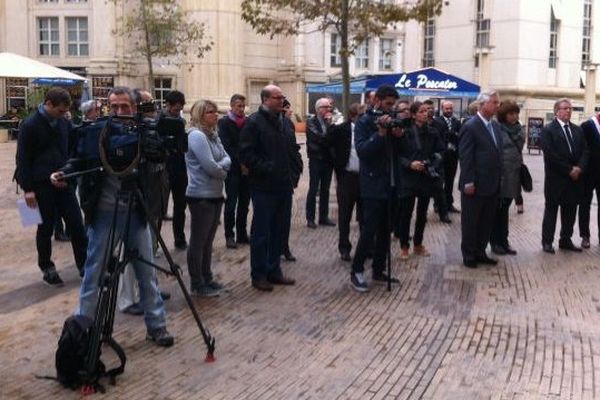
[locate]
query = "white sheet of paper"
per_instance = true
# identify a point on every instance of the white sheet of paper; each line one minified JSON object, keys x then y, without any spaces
{"x":29,"y":216}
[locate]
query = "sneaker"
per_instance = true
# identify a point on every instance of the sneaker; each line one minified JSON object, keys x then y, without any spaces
{"x":205,"y":291}
{"x":404,"y":254}
{"x":230,"y":243}
{"x":216,"y":285}
{"x":160,"y":336}
{"x":52,"y":278}
{"x":358,"y":282}
{"x":382,"y":278}
{"x":420,"y":250}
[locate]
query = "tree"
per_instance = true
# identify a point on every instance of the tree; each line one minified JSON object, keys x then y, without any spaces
{"x":161,"y":28}
{"x":353,"y":20}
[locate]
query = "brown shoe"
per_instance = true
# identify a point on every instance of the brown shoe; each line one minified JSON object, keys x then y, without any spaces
{"x":263,"y":285}
{"x":282,"y":280}
{"x":420,"y":250}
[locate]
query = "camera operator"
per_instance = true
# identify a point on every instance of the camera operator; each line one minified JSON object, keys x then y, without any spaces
{"x":376,"y":135}
{"x":98,"y":193}
{"x":420,"y":155}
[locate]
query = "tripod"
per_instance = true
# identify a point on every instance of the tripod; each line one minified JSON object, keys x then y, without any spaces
{"x":118,"y":253}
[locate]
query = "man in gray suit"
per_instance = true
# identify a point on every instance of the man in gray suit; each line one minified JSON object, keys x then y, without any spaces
{"x":565,"y":159}
{"x":480,"y":156}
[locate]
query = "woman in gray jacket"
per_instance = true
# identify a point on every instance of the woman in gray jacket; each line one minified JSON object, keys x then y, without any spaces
{"x":207,"y":165}
{"x":513,"y":141}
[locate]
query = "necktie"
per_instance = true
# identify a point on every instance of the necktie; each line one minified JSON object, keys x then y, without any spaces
{"x":491,"y":130}
{"x":569,"y":137}
{"x":449,"y":123}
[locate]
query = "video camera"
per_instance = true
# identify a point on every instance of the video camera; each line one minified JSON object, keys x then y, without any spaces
{"x":395,"y":122}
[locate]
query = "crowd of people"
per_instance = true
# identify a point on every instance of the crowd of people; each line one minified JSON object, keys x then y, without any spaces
{"x":390,"y":158}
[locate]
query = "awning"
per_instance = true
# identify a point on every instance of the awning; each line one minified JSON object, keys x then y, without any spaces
{"x":357,"y":86}
{"x":17,"y":66}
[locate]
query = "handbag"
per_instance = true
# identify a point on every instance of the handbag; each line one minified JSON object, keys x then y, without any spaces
{"x":526,"y":180}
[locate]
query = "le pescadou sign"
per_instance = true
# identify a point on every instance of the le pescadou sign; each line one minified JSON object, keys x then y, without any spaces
{"x":424,"y":82}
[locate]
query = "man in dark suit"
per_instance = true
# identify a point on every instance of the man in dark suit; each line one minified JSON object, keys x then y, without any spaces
{"x":565,"y":159}
{"x":449,"y":126}
{"x":374,"y":140}
{"x":591,"y":177}
{"x":346,"y":166}
{"x":319,"y":163}
{"x":480,"y":155}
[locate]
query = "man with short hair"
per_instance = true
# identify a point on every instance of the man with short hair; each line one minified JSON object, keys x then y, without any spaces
{"x":565,"y":159}
{"x":89,"y":110}
{"x":235,"y":212}
{"x":319,"y":163}
{"x":174,"y":102}
{"x":480,"y":155}
{"x":99,"y":193}
{"x":373,"y":140}
{"x":268,"y":148}
{"x":42,"y":148}
{"x":449,"y":126}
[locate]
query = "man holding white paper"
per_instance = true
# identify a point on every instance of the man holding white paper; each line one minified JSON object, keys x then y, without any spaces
{"x":42,"y":148}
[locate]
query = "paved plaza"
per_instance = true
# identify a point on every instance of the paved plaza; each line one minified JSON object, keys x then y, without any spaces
{"x":528,"y":328}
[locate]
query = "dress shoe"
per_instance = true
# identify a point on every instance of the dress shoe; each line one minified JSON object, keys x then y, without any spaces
{"x":327,"y":222}
{"x":499,"y":250}
{"x":263,"y":285}
{"x":585,"y":243}
{"x":509,"y":250}
{"x":345,"y":256}
{"x":569,"y":246}
{"x":281,"y":280}
{"x":230,"y":243}
{"x":445,"y":219}
{"x":181,"y":245}
{"x":484,"y":259}
{"x":243,"y":239}
{"x":453,"y":209}
{"x":311,"y":224}
{"x":547,"y":247}
{"x":289,"y":256}
{"x":470,"y":263}
{"x":520,"y":209}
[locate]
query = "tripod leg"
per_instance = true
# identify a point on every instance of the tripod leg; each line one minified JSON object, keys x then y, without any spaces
{"x":176,"y":271}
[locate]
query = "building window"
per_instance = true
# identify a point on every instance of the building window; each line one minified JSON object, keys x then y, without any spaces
{"x":482,"y":34}
{"x":75,"y":1}
{"x":48,"y":36}
{"x":553,"y":56}
{"x":101,"y":85}
{"x":361,"y":55}
{"x":77,"y":36}
{"x":334,"y":52}
{"x":47,"y":1}
{"x":386,"y":51}
{"x":428,"y":43}
{"x":587,"y":33}
{"x":16,"y":93}
{"x":162,"y":86}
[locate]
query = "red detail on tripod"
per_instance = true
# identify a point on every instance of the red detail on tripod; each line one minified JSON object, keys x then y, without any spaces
{"x":86,"y":390}
{"x":210,"y":357}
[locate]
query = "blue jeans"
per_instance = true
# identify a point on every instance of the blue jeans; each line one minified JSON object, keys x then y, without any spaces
{"x":272,"y":211}
{"x":139,"y":238}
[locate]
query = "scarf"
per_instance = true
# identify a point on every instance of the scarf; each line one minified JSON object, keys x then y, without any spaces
{"x":239,"y":121}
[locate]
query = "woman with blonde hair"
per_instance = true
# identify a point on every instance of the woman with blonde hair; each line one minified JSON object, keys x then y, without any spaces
{"x":207,"y":165}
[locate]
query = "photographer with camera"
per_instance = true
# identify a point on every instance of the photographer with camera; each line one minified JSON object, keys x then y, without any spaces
{"x":376,"y":136}
{"x":420,"y":155}
{"x":99,"y":194}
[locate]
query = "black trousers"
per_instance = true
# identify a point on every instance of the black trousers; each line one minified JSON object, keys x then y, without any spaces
{"x":585,"y":208}
{"x":348,"y":197}
{"x":375,"y":228}
{"x":320,"y":172}
{"x":450,"y":167}
{"x":53,"y":203}
{"x":407,"y":205}
{"x":568,"y":213}
{"x":235,"y":213}
{"x":499,"y":236}
{"x":178,"y":183}
{"x":476,"y":218}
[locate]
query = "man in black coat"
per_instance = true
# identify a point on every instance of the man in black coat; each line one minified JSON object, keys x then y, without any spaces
{"x":480,"y":155}
{"x":565,"y":159}
{"x":235,"y":212}
{"x":267,"y":150}
{"x":346,"y":166}
{"x":319,"y":163}
{"x":591,"y":177}
{"x":449,"y":126}
{"x":42,"y":148}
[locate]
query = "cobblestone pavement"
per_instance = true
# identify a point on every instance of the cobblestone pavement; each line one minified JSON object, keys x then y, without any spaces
{"x":526,"y":329}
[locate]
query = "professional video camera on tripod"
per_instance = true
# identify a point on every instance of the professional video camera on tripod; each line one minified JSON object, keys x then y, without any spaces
{"x":111,"y":153}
